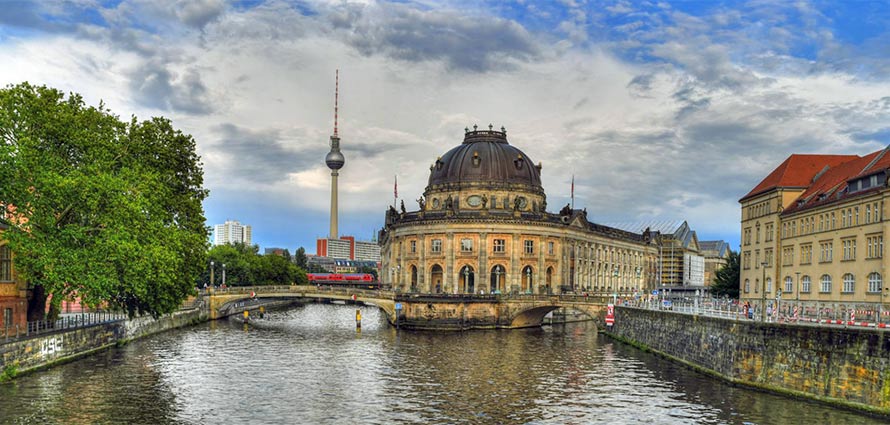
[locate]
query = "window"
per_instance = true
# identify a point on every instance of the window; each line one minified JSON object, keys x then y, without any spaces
{"x":7,"y":317}
{"x":849,"y":246}
{"x":769,"y":284}
{"x":833,"y":221}
{"x":875,"y":246}
{"x":826,"y":284}
{"x":825,"y":252}
{"x":768,"y":236}
{"x":746,"y":260}
{"x":849,"y":283}
{"x":856,"y":215}
{"x":756,"y":258}
{"x":436,"y":245}
{"x":874,"y":282}
{"x":748,"y":236}
{"x":413,"y":247}
{"x":757,"y":233}
{"x":499,"y":246}
{"x":805,"y":284}
{"x":529,"y":247}
{"x":867,"y":214}
{"x":788,"y":256}
{"x":747,"y":286}
{"x":768,"y":257}
{"x":806,"y":254}
{"x":550,"y":248}
{"x":789,"y":284}
{"x":466,"y":245}
{"x":5,"y":264}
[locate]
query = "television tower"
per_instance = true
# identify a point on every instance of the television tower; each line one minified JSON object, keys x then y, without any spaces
{"x":335,"y":159}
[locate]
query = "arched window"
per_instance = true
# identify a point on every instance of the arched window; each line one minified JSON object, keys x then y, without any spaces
{"x":436,"y":279}
{"x":849,"y":283}
{"x":527,"y":279}
{"x":874,"y":282}
{"x":789,"y":284}
{"x":826,"y":284}
{"x":805,"y":284}
{"x":498,"y":277}
{"x":467,"y":280}
{"x":549,"y":283}
{"x":413,"y":278}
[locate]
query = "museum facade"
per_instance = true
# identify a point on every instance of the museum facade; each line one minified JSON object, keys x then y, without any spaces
{"x":482,"y":226}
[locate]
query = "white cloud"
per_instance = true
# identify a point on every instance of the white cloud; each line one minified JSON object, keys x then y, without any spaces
{"x":681,"y":136}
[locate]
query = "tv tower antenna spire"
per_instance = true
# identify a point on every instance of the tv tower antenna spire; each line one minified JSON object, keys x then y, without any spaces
{"x":334,"y":159}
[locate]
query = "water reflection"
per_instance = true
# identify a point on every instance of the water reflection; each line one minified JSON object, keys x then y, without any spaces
{"x":311,"y":365}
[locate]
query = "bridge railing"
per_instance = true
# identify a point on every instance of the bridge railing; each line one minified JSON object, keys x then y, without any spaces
{"x":66,"y":322}
{"x":874,"y":315}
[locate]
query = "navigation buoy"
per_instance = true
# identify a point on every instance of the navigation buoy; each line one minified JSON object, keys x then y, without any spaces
{"x":246,"y":316}
{"x":358,"y":319}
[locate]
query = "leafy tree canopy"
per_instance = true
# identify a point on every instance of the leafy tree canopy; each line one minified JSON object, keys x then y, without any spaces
{"x":244,"y":266}
{"x":102,"y":209}
{"x":726,"y":281}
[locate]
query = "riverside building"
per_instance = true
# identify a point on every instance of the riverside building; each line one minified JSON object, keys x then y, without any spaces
{"x":482,"y":225}
{"x":814,"y":230}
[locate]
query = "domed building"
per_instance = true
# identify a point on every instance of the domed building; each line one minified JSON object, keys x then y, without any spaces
{"x":482,"y":226}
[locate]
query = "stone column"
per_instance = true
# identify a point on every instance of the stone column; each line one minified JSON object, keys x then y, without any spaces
{"x":483,"y":280}
{"x":541,"y":273}
{"x":514,"y":264}
{"x":449,"y":285}
{"x":422,"y":266}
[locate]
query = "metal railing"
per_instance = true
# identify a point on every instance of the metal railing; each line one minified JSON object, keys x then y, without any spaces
{"x":63,"y":323}
{"x":873,"y":315}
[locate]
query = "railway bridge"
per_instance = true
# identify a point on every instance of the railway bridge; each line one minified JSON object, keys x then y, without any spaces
{"x":417,"y":311}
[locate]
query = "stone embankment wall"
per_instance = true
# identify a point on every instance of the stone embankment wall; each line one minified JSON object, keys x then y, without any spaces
{"x":45,"y":350}
{"x":849,"y":367}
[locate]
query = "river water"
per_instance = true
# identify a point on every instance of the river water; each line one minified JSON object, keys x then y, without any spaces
{"x":310,"y":365}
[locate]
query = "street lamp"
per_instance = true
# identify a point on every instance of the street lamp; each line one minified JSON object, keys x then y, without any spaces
{"x":224,"y":274}
{"x":211,"y":273}
{"x":763,"y":293}
{"x":798,"y":285}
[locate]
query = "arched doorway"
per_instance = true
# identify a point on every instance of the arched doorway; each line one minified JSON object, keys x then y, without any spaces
{"x":549,"y":277}
{"x":413,"y":279}
{"x":498,"y":277}
{"x":527,"y":280}
{"x":467,"y":279}
{"x":436,"y":279}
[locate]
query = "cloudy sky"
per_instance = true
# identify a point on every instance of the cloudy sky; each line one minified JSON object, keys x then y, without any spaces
{"x":661,"y":110}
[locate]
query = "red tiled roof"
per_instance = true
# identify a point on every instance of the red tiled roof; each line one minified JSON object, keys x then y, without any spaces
{"x":798,"y":171}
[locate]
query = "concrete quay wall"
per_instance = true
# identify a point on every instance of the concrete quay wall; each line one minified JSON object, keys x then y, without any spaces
{"x":56,"y":347}
{"x":841,"y":366}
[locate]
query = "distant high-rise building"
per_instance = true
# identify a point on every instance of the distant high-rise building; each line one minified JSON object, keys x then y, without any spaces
{"x":347,"y":248}
{"x":231,"y":232}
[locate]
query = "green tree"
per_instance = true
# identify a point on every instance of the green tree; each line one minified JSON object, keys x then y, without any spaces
{"x":300,"y":258}
{"x":101,"y":209}
{"x":726,"y":281}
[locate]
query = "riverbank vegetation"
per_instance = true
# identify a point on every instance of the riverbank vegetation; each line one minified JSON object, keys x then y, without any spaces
{"x":101,"y":209}
{"x":245,"y":266}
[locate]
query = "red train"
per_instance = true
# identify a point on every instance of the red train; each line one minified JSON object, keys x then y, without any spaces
{"x":356,"y":280}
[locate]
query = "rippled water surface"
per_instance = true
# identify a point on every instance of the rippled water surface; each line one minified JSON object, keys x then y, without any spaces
{"x":310,"y":365}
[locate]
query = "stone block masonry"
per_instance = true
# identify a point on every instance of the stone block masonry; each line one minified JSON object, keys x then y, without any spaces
{"x":849,"y":367}
{"x":49,"y":349}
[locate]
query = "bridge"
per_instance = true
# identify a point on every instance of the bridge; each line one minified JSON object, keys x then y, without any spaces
{"x":416,"y":311}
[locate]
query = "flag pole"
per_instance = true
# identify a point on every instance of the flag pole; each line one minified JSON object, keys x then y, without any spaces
{"x":573,"y":191}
